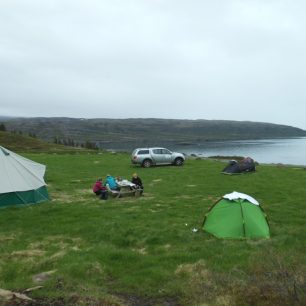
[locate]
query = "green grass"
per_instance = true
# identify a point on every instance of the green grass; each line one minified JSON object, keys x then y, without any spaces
{"x":143,"y":249}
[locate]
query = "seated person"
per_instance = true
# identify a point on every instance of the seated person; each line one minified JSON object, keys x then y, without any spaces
{"x":119,"y":180}
{"x":138,"y":183}
{"x":99,"y":189}
{"x":111,"y":182}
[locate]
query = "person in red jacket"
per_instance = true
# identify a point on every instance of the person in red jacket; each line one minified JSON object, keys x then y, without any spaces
{"x":99,"y":189}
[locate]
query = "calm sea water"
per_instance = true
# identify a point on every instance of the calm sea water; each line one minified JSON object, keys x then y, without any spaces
{"x":286,"y":151}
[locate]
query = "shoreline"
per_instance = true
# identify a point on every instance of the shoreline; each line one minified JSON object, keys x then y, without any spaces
{"x":228,"y":158}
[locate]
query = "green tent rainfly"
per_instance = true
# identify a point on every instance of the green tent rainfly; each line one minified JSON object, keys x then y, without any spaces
{"x":236,"y":216}
{"x":21,"y":180}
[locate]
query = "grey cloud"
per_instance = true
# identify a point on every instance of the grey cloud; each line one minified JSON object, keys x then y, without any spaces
{"x":169,"y":59}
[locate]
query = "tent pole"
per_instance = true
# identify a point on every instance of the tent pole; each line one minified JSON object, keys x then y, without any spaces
{"x":243,"y":224}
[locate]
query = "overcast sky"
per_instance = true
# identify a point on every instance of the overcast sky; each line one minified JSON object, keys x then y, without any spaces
{"x":195,"y":59}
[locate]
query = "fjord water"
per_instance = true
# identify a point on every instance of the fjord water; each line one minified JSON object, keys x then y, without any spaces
{"x":286,"y":151}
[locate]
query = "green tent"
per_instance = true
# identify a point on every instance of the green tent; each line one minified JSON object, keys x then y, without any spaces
{"x":236,"y":215}
{"x":21,"y":180}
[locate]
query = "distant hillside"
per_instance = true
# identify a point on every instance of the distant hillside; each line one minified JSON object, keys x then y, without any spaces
{"x":127,"y":133}
{"x":20,"y":143}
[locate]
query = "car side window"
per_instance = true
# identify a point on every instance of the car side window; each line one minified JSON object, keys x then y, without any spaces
{"x":143,"y":152}
{"x":157,"y":151}
{"x":165,"y":151}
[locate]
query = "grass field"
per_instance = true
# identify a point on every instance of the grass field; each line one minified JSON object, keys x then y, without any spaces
{"x":143,"y":251}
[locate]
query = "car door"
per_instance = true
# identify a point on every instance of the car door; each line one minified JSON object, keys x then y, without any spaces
{"x":161,"y":156}
{"x":166,"y":156}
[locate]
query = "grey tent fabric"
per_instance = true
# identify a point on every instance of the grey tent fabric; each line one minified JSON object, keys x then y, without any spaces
{"x":245,"y":165}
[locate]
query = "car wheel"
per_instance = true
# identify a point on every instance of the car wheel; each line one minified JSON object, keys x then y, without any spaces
{"x":178,"y":161}
{"x":147,"y":163}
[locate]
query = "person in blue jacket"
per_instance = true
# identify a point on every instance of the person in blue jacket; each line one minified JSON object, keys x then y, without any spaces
{"x":111,"y":183}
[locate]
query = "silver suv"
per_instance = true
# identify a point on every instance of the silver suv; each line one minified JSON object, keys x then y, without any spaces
{"x":146,"y":157}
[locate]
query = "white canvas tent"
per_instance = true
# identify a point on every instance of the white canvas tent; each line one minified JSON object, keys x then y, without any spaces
{"x":21,"y":180}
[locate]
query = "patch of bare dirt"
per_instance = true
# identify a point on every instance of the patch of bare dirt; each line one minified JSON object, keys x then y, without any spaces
{"x":27,"y":253}
{"x":10,"y":237}
{"x":134,"y":300}
{"x":72,"y":301}
{"x":43,"y":276}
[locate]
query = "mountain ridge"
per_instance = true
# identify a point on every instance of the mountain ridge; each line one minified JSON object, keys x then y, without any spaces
{"x":130,"y":132}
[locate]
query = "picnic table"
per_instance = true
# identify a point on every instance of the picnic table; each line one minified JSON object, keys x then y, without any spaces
{"x":126,"y":188}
